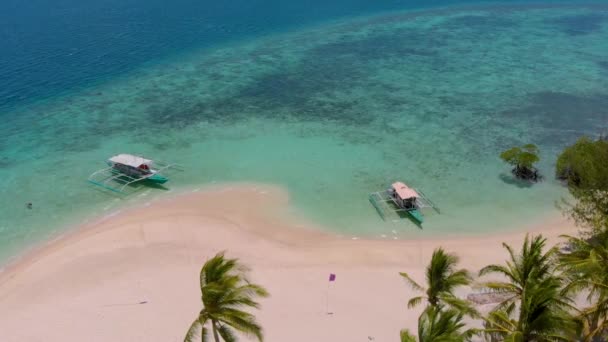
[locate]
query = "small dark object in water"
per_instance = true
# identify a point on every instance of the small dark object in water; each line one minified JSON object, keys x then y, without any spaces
{"x":29,"y":205}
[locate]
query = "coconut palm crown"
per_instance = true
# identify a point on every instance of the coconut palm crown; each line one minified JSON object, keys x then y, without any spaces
{"x":533,"y":287}
{"x":439,"y":325}
{"x":531,"y":264}
{"x":442,"y":279}
{"x":586,"y":266}
{"x":225,"y":291}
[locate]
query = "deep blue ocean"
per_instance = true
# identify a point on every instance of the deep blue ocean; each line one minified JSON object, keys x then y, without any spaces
{"x":50,"y":47}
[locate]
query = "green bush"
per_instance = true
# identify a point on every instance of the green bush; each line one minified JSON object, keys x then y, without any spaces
{"x":584,"y":165}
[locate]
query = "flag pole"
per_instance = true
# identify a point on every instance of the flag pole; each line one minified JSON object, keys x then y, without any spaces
{"x":332,"y":278}
{"x":327,"y":299}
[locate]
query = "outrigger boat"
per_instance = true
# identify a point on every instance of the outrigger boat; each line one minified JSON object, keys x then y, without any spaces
{"x":407,"y":200}
{"x":127,"y":169}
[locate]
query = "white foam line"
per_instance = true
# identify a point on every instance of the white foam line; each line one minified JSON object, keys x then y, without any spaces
{"x":112,"y":214}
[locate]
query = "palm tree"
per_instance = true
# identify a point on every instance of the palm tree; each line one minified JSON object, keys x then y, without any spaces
{"x":586,"y":267}
{"x":437,"y":325}
{"x":442,"y":279}
{"x":531,"y":264}
{"x":533,"y":287}
{"x":543,"y":316}
{"x":500,"y":326}
{"x":225,"y":290}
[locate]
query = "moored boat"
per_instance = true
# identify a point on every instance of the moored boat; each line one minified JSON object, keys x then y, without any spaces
{"x":405,"y":200}
{"x":136,"y":166}
{"x":128,"y":169}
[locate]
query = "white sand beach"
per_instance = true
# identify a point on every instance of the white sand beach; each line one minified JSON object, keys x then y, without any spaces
{"x":134,"y":276}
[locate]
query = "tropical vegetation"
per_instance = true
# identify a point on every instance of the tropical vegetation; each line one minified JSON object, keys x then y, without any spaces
{"x":537,"y":284}
{"x":442,"y":278}
{"x":586,"y":269}
{"x":437,"y":325}
{"x":584,"y":167}
{"x":523,"y":159}
{"x":533,"y":287}
{"x":225,"y":292}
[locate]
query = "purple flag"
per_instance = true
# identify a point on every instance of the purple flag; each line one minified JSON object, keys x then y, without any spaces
{"x":332,"y":277}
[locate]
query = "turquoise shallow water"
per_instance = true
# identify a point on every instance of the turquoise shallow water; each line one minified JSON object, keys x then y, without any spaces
{"x":332,"y":112}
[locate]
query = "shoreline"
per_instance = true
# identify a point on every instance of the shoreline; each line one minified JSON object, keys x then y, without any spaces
{"x":153,"y":253}
{"x":86,"y":225}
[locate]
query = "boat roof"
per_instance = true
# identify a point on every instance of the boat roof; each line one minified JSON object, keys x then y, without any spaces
{"x":403,"y":191}
{"x":130,"y":160}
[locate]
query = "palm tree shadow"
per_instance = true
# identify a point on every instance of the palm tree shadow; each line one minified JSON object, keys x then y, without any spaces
{"x":511,"y":180}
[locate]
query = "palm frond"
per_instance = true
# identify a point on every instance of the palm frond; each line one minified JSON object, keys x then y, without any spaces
{"x":459,"y":278}
{"x":460,"y":305}
{"x":414,"y":285}
{"x":225,"y":289}
{"x":193,"y":331}
{"x":536,"y":290}
{"x":406,"y":336}
{"x":242,"y":321}
{"x":227,"y":334}
{"x":413,"y":302}
{"x":502,"y":287}
{"x":437,"y":324}
{"x":586,"y":269}
{"x":442,"y":279}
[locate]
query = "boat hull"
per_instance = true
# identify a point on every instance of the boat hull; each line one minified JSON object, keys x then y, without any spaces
{"x":416,"y":215}
{"x":158,"y":179}
{"x":150,"y":176}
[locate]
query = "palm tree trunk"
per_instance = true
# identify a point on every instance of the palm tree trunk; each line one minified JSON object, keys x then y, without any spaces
{"x":214,"y":327}
{"x":522,"y":315}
